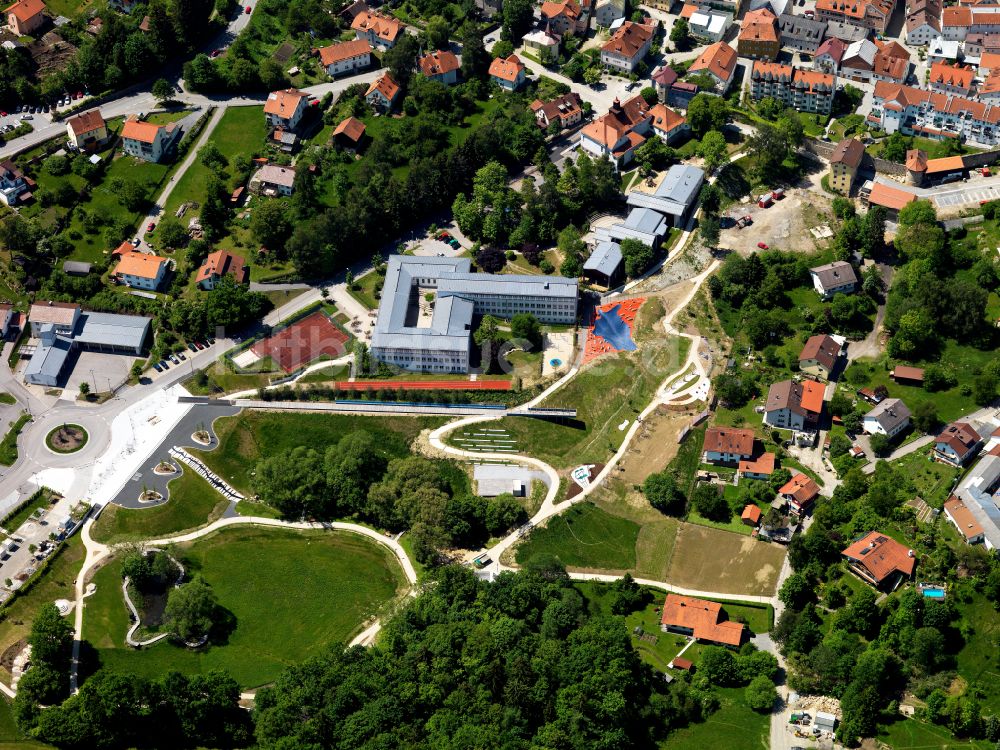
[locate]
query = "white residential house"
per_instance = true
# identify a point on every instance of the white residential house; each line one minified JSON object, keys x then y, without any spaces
{"x":147,"y":141}
{"x":346,"y":57}
{"x":284,"y":110}
{"x":627,"y":47}
{"x":838,"y":277}
{"x":888,"y":418}
{"x":607,"y":12}
{"x":709,"y":26}
{"x":14,"y":186}
{"x":140,"y":270}
{"x":543,"y":43}
{"x":273,"y":180}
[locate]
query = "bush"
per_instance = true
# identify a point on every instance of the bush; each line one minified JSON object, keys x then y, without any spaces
{"x":760,"y":694}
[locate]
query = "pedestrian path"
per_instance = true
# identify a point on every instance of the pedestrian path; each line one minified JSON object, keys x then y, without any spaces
{"x":214,"y":479}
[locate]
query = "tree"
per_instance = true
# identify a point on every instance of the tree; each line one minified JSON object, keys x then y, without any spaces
{"x":917,"y":212}
{"x":436,"y":33}
{"x":663,"y":493}
{"x":162,"y":90}
{"x":710,"y":503}
{"x":401,"y":59}
{"x":719,"y":666}
{"x":881,"y":445}
{"x":292,"y":482}
{"x":172,"y":235}
{"x":628,"y":596}
{"x":475,"y":59}
{"x":680,"y":33}
{"x":271,"y":223}
{"x":894,"y":147}
{"x":84,"y":388}
{"x":796,"y":591}
{"x":526,"y":326}
{"x":517,"y":18}
{"x":843,"y":208}
{"x":760,"y":695}
{"x":489,"y":337}
{"x":491,"y":258}
{"x":502,"y":49}
{"x":191,"y":610}
{"x":649,"y":94}
{"x":925,"y":417}
{"x":592,"y":75}
{"x":713,"y":150}
{"x":705,"y":113}
{"x":51,"y":638}
{"x":637,"y":254}
{"x":708,"y":227}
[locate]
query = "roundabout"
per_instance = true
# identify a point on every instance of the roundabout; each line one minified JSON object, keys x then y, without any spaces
{"x":66,"y":438}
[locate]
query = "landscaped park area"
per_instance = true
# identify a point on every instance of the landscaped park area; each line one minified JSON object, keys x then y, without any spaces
{"x":287,"y":595}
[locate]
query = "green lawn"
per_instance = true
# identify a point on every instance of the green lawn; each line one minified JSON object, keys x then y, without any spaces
{"x":914,"y":734}
{"x":935,"y":149}
{"x":964,"y":361}
{"x":734,"y":726}
{"x":8,"y":446}
{"x":193,"y":502}
{"x":164,"y":118}
{"x":326,"y":374}
{"x":290,"y":593}
{"x":55,"y":583}
{"x":240,"y":131}
{"x":364,"y":289}
{"x":979,"y":659}
{"x":105,"y":204}
{"x":42,"y":498}
{"x":584,"y":537}
{"x":244,"y":438}
{"x":932,"y":480}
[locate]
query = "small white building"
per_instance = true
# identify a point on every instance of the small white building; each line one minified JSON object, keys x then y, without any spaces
{"x":709,"y":25}
{"x":283,"y":110}
{"x":888,"y":418}
{"x":273,"y":180}
{"x":140,"y":270}
{"x":838,"y":277}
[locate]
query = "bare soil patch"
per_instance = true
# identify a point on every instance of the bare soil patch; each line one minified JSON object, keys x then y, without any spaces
{"x":715,"y":560}
{"x":654,"y":446}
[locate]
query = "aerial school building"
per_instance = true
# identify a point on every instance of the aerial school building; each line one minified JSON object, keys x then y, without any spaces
{"x":412,"y":337}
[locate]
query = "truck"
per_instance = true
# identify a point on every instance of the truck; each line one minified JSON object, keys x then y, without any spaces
{"x":778,"y":194}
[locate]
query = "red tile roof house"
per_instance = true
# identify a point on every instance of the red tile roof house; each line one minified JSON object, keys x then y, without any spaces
{"x":880,"y":561}
{"x":440,"y":66}
{"x":383,"y":93}
{"x":703,"y":620}
{"x":567,"y":110}
{"x":761,"y":467}
{"x":727,"y":445}
{"x":25,"y":16}
{"x":346,"y":57}
{"x":799,"y":492}
{"x":957,"y":443}
{"x":220,"y":264}
{"x":618,"y":133}
{"x":963,"y":520}
{"x":507,"y":73}
{"x":906,"y":375}
{"x":719,"y":61}
{"x":629,"y":45}
{"x":794,"y":406}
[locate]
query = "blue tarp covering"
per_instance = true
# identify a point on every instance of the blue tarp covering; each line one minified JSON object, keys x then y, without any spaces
{"x":614,"y":330}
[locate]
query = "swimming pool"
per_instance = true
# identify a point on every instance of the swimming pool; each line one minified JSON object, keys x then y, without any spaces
{"x":933,"y":592}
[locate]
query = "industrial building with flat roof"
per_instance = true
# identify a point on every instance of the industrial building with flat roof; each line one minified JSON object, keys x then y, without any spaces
{"x":441,"y":344}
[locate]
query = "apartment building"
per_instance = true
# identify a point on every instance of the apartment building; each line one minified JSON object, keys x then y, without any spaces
{"x":923,"y":22}
{"x":378,"y":30}
{"x":15,"y":188}
{"x":868,"y":14}
{"x":346,"y":57}
{"x":805,"y":90}
{"x":147,"y":141}
{"x":759,"y":38}
{"x":933,"y":114}
{"x":627,"y":47}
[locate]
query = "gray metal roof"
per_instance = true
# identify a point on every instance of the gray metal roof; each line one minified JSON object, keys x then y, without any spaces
{"x":890,"y":414}
{"x":76,"y":266}
{"x":975,"y":491}
{"x":646,"y":220}
{"x":675,"y":194}
{"x":606,"y":259}
{"x":835,"y":274}
{"x":517,"y":285}
{"x":106,"y":329}
{"x":49,"y":357}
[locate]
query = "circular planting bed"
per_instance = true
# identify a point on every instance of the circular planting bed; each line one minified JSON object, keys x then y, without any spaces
{"x":150,"y":496}
{"x":165,"y":468}
{"x":202,"y":437}
{"x":67,"y":438}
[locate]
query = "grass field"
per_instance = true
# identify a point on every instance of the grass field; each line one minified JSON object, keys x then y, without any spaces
{"x":8,"y":446}
{"x":584,"y":537}
{"x":364,"y":289}
{"x":913,"y":734}
{"x":192,"y":503}
{"x":326,"y":374}
{"x":979,"y":660}
{"x":41,"y":499}
{"x":241,"y":130}
{"x":606,"y":393}
{"x":246,"y":437}
{"x":55,"y":583}
{"x":104,"y":202}
{"x":734,"y":726}
{"x":932,"y":480}
{"x":713,"y":560}
{"x":291,"y":595}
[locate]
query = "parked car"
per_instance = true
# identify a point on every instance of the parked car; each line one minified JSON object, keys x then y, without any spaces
{"x":151,"y":226}
{"x":156,"y":366}
{"x":249,"y":10}
{"x":164,"y":365}
{"x":136,"y":242}
{"x":762,"y":245}
{"x":173,"y":358}
{"x":192,"y":347}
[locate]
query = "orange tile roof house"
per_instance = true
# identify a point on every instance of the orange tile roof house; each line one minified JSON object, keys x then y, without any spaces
{"x":760,"y":38}
{"x":727,"y":445}
{"x":618,"y":133}
{"x":346,"y":57}
{"x":507,"y":73}
{"x":701,"y":619}
{"x":951,"y":79}
{"x":799,"y":492}
{"x":794,"y":406}
{"x":804,"y":90}
{"x":963,"y":520}
{"x":382,"y":93}
{"x":868,"y":14}
{"x":87,"y":130}
{"x":349,"y":132}
{"x":668,"y":124}
{"x":220,"y":264}
{"x":880,"y":561}
{"x":750,"y":515}
{"x":147,"y":141}
{"x":957,"y":443}
{"x":283,"y":110}
{"x":140,"y":270}
{"x":378,"y":30}
{"x":629,"y":45}
{"x":440,"y":66}
{"x":564,"y":17}
{"x":890,"y":198}
{"x":820,"y":355}
{"x":761,"y":467}
{"x":719,"y":61}
{"x":25,"y":16}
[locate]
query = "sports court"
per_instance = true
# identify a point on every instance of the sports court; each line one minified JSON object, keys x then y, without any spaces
{"x":612,"y":329}
{"x":302,"y":342}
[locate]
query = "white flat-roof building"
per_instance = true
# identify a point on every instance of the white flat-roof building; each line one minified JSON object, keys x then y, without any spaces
{"x":442,"y":344}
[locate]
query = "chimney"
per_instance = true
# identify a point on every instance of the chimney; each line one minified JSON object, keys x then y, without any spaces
{"x":909,"y":553}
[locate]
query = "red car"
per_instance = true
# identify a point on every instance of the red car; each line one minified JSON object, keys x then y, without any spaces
{"x":762,"y":245}
{"x":151,"y":226}
{"x":2,"y":113}
{"x":215,"y":53}
{"x":249,"y":10}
